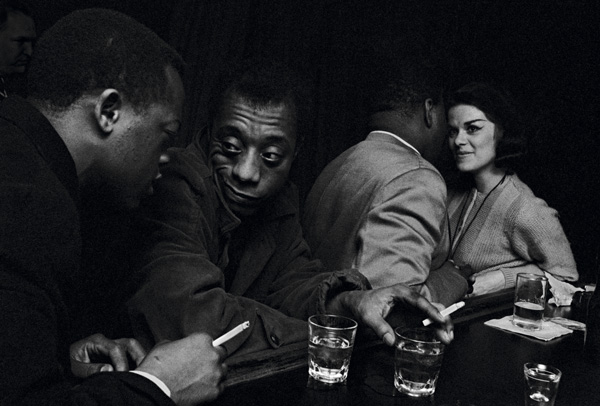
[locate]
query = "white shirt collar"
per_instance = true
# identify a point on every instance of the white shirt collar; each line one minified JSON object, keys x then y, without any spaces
{"x":396,"y":137}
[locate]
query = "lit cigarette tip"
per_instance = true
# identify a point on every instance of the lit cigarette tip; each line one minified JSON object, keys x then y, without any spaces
{"x":448,"y":310}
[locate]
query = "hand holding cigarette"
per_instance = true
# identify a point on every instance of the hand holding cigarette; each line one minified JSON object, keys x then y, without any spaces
{"x":232,"y":333}
{"x":448,"y":310}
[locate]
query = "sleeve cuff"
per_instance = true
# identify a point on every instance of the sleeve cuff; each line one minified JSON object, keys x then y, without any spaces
{"x":156,"y":381}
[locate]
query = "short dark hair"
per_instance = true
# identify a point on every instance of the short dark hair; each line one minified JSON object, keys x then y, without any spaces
{"x":499,"y":107}
{"x":7,"y":6}
{"x":95,"y":49}
{"x":262,"y":82}
{"x":400,"y":79}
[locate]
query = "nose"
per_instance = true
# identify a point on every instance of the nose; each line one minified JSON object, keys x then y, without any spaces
{"x":162,"y":160}
{"x":247,"y":168}
{"x":28,"y":48}
{"x":460,"y":138}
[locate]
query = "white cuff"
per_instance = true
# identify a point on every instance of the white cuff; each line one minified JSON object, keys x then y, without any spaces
{"x":154,"y":379}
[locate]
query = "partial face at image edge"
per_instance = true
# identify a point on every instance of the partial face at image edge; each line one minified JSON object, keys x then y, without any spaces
{"x":16,"y":43}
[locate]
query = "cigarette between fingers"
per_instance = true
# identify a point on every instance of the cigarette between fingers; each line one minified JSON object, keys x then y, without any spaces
{"x":230,"y":334}
{"x":448,"y":310}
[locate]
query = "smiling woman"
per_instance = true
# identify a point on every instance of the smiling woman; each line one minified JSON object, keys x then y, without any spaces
{"x":497,"y":225}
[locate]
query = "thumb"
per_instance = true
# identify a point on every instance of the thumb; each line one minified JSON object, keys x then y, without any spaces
{"x":438,"y":306}
{"x":384,"y":331}
{"x":84,"y":369}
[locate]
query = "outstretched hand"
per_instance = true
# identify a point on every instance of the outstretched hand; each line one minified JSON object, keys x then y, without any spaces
{"x":372,"y":307}
{"x":97,"y":353}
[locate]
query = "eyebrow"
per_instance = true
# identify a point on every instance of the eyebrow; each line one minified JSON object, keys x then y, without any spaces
{"x":279,"y":139}
{"x":474,"y":121}
{"x":173,"y":121}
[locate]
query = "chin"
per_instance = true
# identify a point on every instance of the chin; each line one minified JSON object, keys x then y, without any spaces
{"x":463,"y":168}
{"x":130,"y":203}
{"x":242,"y":211}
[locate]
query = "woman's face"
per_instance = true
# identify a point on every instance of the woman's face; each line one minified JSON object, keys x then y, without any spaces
{"x":472,"y":138}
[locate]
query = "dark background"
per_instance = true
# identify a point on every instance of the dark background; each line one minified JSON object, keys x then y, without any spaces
{"x":544,"y":52}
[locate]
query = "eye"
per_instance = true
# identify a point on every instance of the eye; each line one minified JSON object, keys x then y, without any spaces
{"x":452,"y":133}
{"x":172,"y":136}
{"x":272,"y":158}
{"x":472,"y":129}
{"x":230,"y":146}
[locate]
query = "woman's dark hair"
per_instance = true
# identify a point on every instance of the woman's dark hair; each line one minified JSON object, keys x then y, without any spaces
{"x":500,"y":108}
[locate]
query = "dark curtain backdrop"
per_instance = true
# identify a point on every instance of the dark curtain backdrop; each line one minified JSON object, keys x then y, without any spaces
{"x":542,"y":51}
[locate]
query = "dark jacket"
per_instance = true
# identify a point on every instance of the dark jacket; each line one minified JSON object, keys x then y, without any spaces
{"x":274,"y":284}
{"x":40,"y":247}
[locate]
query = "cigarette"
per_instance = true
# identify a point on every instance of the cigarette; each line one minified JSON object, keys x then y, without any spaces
{"x":448,"y":310}
{"x":230,"y":334}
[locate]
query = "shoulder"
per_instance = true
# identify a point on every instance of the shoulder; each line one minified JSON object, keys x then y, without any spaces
{"x":187,"y":165}
{"x":523,"y":207}
{"x":389,"y":160}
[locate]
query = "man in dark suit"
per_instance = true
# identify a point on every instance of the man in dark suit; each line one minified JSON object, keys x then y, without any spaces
{"x":105,"y":98}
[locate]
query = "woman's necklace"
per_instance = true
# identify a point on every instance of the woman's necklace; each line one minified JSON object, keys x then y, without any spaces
{"x":461,"y":230}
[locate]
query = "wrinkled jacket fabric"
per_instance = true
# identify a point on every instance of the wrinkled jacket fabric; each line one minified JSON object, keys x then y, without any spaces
{"x":187,"y":227}
{"x":40,"y":281}
{"x":381,"y":208}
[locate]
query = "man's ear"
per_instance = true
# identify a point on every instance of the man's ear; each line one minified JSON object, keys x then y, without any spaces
{"x":107,"y":110}
{"x":428,"y":110}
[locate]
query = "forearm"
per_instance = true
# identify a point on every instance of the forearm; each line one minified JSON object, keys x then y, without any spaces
{"x":446,"y":284}
{"x":309,"y":289}
{"x":509,"y":274}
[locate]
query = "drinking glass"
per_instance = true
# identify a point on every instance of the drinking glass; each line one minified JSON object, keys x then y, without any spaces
{"x":417,"y":361}
{"x":330,"y":343}
{"x":530,"y":301}
{"x":541,"y":384}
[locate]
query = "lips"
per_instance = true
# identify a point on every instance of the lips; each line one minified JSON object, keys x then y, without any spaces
{"x":22,"y":62}
{"x":463,"y":154}
{"x":238,"y":197}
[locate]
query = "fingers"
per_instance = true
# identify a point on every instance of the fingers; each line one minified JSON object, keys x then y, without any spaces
{"x":445,"y":335}
{"x":110,"y":354}
{"x":84,"y":369}
{"x":133,"y":348}
{"x":438,"y":306}
{"x":445,"y":331}
{"x":221,"y":351}
{"x":117,"y":354}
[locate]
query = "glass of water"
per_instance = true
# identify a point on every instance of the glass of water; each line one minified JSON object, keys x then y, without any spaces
{"x":330,"y":344}
{"x":417,"y":361}
{"x":541,"y":384}
{"x":530,"y":301}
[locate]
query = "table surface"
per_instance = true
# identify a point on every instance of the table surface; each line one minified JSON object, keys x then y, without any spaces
{"x":482,"y":366}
